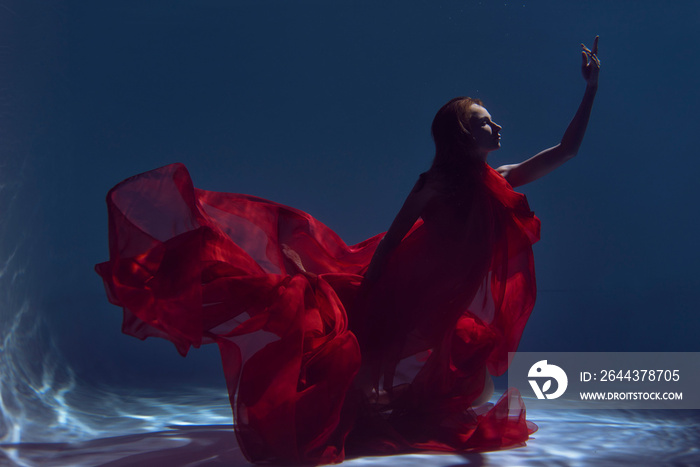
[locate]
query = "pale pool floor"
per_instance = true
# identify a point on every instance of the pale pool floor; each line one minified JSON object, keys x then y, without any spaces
{"x":565,"y":438}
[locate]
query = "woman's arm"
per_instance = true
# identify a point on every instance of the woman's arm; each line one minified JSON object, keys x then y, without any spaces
{"x":549,"y":159}
{"x":407,"y":216}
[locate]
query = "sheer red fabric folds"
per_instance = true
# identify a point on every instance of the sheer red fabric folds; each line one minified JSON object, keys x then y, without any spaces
{"x":279,"y":293}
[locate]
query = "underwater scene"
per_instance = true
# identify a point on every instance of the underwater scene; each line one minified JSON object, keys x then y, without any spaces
{"x":327,"y":107}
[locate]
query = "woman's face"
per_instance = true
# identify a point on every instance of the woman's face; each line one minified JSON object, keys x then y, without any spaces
{"x":484,"y":130}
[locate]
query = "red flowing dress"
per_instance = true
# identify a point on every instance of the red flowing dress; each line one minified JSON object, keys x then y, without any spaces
{"x":279,"y":293}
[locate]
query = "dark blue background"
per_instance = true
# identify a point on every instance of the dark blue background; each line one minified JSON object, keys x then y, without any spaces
{"x":326,"y":106}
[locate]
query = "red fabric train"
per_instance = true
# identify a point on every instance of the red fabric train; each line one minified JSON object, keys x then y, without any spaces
{"x":279,"y":293}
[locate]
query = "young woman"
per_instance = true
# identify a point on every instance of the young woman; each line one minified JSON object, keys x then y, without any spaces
{"x":379,"y":348}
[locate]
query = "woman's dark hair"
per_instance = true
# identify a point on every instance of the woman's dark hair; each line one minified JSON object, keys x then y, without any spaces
{"x":450,"y":130}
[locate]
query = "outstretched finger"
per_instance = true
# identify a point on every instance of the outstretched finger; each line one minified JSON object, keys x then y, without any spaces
{"x":585,"y":49}
{"x":595,"y":45}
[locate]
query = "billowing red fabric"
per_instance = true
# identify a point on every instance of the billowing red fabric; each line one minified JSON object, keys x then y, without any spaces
{"x":280,"y":294}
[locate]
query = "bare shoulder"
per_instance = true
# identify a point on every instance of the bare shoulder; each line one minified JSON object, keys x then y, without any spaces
{"x":424,"y":189}
{"x":505,"y":170}
{"x":412,"y":209}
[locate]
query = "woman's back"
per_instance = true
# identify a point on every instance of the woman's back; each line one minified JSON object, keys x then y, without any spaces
{"x":444,"y":269}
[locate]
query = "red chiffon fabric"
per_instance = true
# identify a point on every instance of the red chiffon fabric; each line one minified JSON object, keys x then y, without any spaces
{"x":280,"y":294}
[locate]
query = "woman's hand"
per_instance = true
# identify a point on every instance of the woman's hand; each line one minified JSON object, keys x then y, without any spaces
{"x":549,"y":159}
{"x":591,"y":64}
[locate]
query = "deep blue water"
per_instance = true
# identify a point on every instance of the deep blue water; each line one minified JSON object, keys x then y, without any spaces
{"x":326,"y":106}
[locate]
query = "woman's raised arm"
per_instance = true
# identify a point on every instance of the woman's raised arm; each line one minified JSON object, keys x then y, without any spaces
{"x":549,"y":159}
